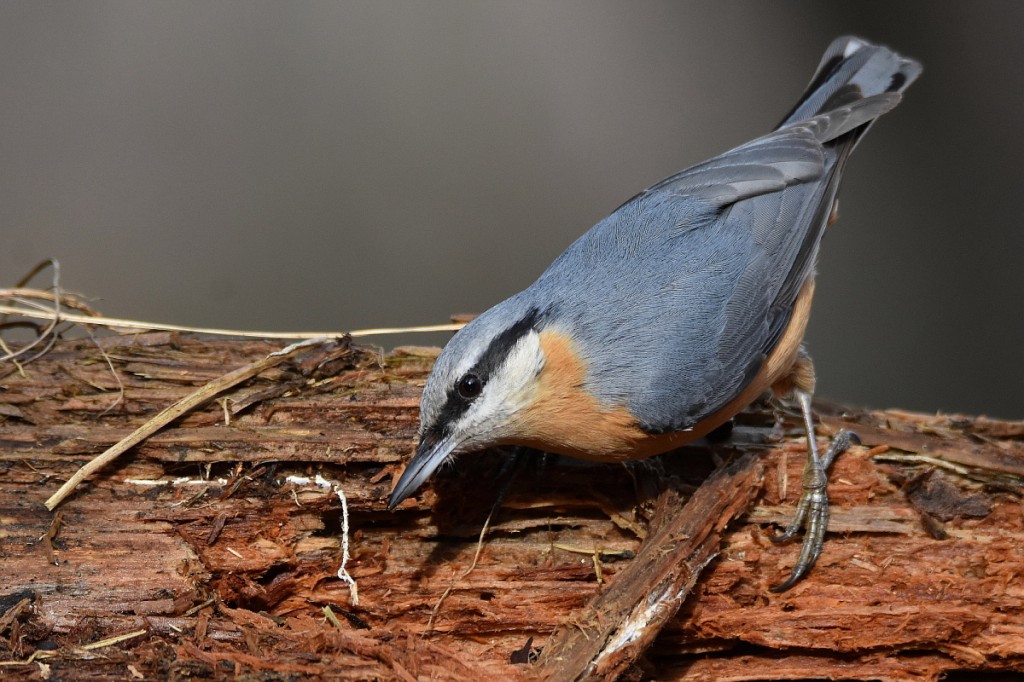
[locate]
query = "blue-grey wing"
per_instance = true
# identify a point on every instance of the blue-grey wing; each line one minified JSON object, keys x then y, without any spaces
{"x":680,"y":294}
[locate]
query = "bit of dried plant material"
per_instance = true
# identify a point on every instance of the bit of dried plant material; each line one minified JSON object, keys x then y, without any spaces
{"x":120,"y":324}
{"x":169,"y":414}
{"x":885,"y":601}
{"x":54,"y":318}
{"x":111,"y":641}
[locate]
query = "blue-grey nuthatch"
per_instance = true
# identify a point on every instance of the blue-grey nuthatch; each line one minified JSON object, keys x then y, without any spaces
{"x":675,"y":312}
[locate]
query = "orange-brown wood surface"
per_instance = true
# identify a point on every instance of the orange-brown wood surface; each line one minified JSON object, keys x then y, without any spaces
{"x":213,"y":544}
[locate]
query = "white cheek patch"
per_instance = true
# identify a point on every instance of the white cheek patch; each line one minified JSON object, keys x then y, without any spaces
{"x":510,"y":388}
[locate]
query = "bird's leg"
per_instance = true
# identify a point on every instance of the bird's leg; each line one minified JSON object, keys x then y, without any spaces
{"x":812,"y":510}
{"x":510,"y":470}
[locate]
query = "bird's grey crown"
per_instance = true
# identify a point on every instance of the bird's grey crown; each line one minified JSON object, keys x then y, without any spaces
{"x":479,"y":347}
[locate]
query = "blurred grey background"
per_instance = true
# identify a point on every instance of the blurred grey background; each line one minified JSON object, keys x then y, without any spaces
{"x":336,"y":165}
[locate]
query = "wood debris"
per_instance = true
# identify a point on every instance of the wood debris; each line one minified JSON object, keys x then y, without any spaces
{"x":196,"y":536}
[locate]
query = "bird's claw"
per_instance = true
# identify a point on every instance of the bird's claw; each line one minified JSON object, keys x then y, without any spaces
{"x":812,"y":514}
{"x":812,"y":511}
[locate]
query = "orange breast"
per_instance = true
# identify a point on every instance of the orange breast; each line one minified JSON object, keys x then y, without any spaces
{"x":566,"y":419}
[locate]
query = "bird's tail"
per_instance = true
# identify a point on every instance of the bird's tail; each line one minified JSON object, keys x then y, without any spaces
{"x":852,"y":69}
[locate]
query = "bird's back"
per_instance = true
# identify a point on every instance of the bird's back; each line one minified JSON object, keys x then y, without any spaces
{"x":676,"y":298}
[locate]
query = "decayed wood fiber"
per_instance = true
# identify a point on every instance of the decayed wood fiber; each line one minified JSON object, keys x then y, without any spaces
{"x":226,"y":566}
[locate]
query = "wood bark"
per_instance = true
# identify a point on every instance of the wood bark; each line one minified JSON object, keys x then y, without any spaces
{"x":216,"y":547}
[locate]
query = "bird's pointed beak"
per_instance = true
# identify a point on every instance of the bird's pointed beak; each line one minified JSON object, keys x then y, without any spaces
{"x":431,"y":452}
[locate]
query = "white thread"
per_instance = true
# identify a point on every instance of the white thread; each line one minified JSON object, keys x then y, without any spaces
{"x":321,"y":482}
{"x":342,"y":572}
{"x":176,"y":481}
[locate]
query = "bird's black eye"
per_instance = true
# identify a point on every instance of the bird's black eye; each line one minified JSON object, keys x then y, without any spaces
{"x":469,"y":386}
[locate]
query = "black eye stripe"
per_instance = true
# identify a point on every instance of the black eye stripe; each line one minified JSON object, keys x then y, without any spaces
{"x":497,"y":350}
{"x":501,"y":344}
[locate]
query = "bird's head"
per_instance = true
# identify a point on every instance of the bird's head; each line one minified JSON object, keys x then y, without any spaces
{"x":482,"y":385}
{"x":514,"y":376}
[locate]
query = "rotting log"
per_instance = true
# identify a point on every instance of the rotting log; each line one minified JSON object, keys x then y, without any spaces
{"x":199,"y":545}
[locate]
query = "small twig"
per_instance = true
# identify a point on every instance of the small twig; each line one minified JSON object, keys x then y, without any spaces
{"x":331,"y":618}
{"x":54,"y":316}
{"x":110,"y":641}
{"x":68,"y":300}
{"x":103,"y":643}
{"x":7,"y":351}
{"x":119,"y":323}
{"x":199,"y":607}
{"x":169,"y":414}
{"x":225,"y":404}
{"x":599,"y":551}
{"x":110,"y":365}
{"x":901,"y":458}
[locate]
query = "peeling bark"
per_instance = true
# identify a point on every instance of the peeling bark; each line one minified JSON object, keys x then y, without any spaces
{"x":199,"y":538}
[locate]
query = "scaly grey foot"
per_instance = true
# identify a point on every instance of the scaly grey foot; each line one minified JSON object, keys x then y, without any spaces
{"x":812,"y":510}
